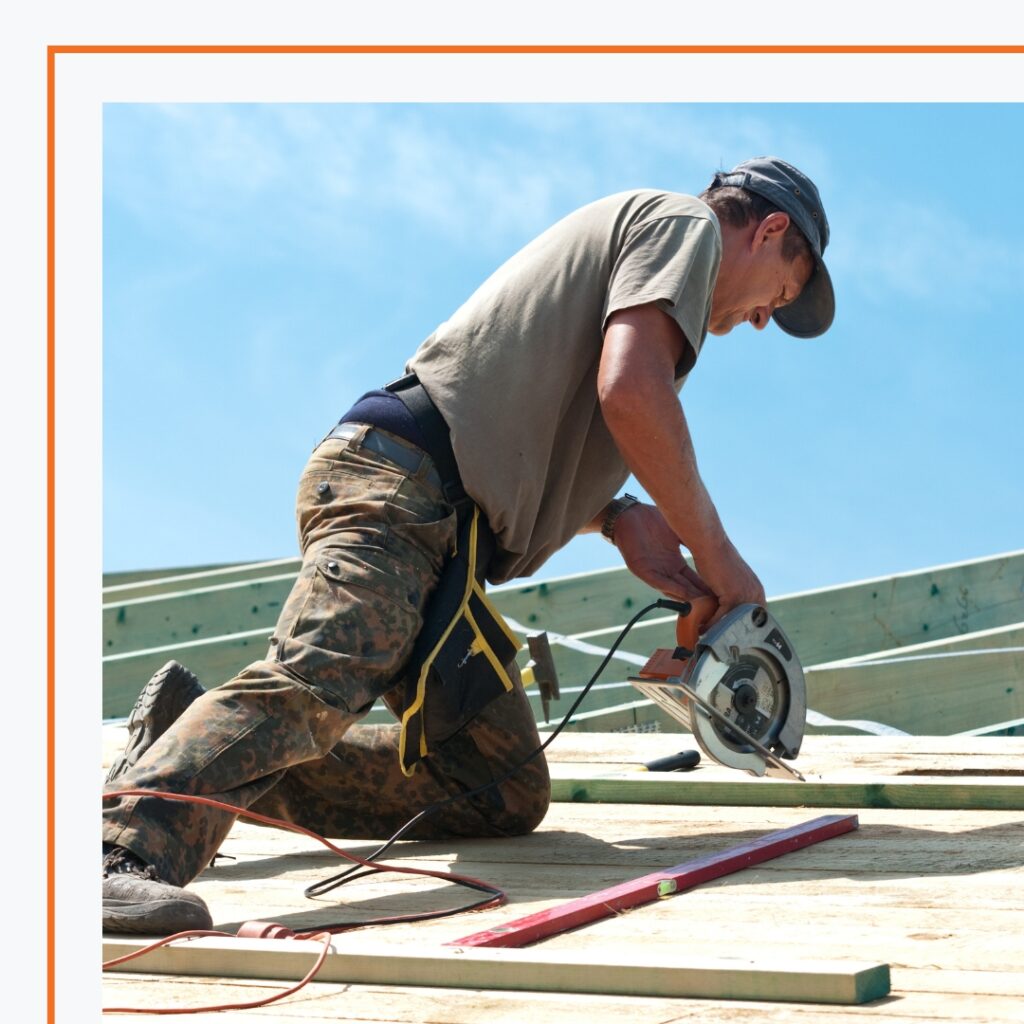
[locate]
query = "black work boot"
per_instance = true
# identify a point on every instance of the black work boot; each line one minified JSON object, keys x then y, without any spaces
{"x":136,"y":901}
{"x":162,"y":700}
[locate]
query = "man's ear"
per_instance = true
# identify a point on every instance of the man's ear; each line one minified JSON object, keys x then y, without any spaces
{"x":772,"y":228}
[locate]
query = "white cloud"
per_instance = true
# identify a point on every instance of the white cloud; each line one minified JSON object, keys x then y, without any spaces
{"x":923,"y":254}
{"x":472,"y":175}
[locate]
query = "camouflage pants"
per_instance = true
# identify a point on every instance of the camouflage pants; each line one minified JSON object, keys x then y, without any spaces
{"x":281,"y":737}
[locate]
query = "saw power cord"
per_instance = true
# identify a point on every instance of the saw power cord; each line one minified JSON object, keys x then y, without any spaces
{"x":319,"y":888}
{"x":362,"y":867}
{"x":310,"y":974}
{"x":259,"y":929}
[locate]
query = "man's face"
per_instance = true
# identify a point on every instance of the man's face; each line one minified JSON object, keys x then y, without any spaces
{"x":755,"y":278}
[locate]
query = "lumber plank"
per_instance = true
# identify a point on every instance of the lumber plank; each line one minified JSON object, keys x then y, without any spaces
{"x":575,"y":603}
{"x":915,"y":889}
{"x":128,"y":585}
{"x":625,"y":973}
{"x":196,"y":613}
{"x":920,"y":792}
{"x":935,"y":893}
{"x":827,"y":624}
{"x":128,"y":577}
{"x":940,"y":694}
{"x":884,"y":755}
{"x":1010,"y":635}
{"x":383,"y":1004}
{"x":824,"y":624}
{"x":904,"y":609}
{"x":214,"y":663}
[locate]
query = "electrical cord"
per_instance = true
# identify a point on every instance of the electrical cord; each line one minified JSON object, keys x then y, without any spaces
{"x":368,"y":865}
{"x":310,"y":975}
{"x":351,"y":874}
{"x":495,"y":896}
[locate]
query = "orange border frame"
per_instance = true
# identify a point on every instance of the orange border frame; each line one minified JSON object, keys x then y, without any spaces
{"x":51,"y":104}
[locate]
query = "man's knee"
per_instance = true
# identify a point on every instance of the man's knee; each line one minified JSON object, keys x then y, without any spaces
{"x":527,"y":796}
{"x":512,"y":806}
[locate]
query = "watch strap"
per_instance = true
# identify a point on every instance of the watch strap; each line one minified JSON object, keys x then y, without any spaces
{"x":614,"y":509}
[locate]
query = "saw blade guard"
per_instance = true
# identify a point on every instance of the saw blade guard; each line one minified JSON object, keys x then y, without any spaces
{"x":741,"y":692}
{"x":746,"y":668}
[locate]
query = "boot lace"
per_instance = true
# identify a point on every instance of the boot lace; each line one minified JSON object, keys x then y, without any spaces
{"x":120,"y":861}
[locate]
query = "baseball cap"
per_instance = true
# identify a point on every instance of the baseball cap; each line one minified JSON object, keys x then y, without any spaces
{"x":812,"y":312}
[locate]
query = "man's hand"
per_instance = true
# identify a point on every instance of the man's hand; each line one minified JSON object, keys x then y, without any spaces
{"x":651,"y":552}
{"x":730,"y":578}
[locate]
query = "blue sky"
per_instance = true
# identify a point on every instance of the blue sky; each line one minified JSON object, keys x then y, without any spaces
{"x":266,"y":264}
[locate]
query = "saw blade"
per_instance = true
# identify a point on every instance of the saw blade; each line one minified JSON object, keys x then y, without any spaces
{"x":740,"y":709}
{"x":751,"y":693}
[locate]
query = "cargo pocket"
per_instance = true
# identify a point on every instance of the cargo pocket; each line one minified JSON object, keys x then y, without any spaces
{"x":351,"y":620}
{"x":422,"y":526}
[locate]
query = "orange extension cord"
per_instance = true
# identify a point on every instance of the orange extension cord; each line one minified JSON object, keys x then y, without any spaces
{"x":497,"y":899}
{"x":325,"y":936}
{"x":497,"y":896}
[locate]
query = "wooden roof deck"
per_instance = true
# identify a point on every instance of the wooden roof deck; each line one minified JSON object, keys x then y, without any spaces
{"x":933,"y":892}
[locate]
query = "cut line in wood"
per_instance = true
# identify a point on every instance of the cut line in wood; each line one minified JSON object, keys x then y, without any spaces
{"x":659,"y":884}
{"x":613,"y":972}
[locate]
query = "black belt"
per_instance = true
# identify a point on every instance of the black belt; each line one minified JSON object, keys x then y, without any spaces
{"x":437,"y":436}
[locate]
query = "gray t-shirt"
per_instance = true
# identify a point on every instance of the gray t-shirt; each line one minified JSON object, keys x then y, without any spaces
{"x":514,"y":371}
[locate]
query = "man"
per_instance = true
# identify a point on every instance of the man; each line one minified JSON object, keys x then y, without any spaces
{"x":532,"y":404}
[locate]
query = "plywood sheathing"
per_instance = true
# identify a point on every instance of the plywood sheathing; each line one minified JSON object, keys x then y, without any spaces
{"x":936,"y":894}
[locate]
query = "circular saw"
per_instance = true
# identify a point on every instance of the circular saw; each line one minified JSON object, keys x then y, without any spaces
{"x":739,"y":688}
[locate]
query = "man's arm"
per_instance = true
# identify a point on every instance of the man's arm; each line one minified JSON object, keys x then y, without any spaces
{"x":642,"y":347}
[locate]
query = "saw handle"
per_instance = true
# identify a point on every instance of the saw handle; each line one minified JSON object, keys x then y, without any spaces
{"x":689,"y":627}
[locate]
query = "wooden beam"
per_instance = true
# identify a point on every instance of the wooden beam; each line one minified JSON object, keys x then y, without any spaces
{"x":575,"y":603}
{"x":974,"y":691}
{"x":1013,"y":727}
{"x":948,"y":608}
{"x":214,"y":662}
{"x":358,"y":960}
{"x":633,"y":716}
{"x":824,"y":624}
{"x":659,"y":884}
{"x":908,"y":608}
{"x":129,"y":585}
{"x":571,"y":783}
{"x":939,"y":693}
{"x":198,"y":613}
{"x":999,"y":637}
{"x":132,"y":576}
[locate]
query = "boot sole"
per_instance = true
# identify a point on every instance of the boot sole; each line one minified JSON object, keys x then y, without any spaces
{"x":162,"y":700}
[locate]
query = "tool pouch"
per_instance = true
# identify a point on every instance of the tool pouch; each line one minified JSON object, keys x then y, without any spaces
{"x":460,"y":660}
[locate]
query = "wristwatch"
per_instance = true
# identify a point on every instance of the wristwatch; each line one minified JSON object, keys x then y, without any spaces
{"x":615,"y":509}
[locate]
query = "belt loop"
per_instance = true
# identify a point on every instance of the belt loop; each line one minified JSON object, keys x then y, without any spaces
{"x":338,"y":433}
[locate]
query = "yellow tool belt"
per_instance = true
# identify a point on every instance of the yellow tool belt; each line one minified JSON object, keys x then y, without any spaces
{"x":460,"y":661}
